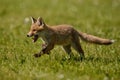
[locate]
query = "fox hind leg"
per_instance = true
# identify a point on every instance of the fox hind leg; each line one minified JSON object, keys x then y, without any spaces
{"x":76,"y":45}
{"x":68,"y":50}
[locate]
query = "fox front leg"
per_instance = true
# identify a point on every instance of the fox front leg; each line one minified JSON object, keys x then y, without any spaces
{"x":45,"y":49}
{"x":44,"y":46}
{"x":41,"y":52}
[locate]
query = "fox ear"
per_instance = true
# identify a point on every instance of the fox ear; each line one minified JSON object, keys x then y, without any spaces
{"x":33,"y":20}
{"x":41,"y":21}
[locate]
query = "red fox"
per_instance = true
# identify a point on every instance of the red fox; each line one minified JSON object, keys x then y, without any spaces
{"x":64,"y":35}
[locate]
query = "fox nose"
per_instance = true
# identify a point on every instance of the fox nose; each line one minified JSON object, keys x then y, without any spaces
{"x":28,"y":35}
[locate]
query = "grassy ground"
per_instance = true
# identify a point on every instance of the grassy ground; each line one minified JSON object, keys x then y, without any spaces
{"x":97,"y":17}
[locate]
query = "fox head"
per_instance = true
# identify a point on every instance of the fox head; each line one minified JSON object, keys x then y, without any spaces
{"x":37,"y":27}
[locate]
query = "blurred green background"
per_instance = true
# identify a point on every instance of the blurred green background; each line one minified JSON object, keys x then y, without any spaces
{"x":97,"y":17}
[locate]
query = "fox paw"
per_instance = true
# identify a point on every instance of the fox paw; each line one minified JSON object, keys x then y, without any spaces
{"x":82,"y":58}
{"x":37,"y":55}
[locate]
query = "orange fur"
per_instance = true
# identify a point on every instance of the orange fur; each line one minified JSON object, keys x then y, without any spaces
{"x":64,"y":35}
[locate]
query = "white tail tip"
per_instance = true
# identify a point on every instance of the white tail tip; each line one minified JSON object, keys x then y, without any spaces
{"x":112,"y":41}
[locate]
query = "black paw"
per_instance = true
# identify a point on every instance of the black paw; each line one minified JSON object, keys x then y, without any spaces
{"x":48,"y":53}
{"x":82,"y":58}
{"x":37,"y":55}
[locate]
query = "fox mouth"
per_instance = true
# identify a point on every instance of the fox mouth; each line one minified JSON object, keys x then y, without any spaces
{"x":35,"y":38}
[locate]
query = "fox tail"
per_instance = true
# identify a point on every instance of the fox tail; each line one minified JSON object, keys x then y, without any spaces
{"x":94,"y":39}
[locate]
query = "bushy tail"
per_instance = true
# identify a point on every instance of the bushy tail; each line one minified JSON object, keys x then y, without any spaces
{"x":94,"y":39}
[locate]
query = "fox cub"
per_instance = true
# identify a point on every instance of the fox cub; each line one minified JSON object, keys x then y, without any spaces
{"x":64,"y":35}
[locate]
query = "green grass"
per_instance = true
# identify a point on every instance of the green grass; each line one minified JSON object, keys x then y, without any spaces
{"x":97,"y":17}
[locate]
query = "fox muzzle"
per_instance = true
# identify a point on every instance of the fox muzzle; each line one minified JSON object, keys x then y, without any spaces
{"x":29,"y":35}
